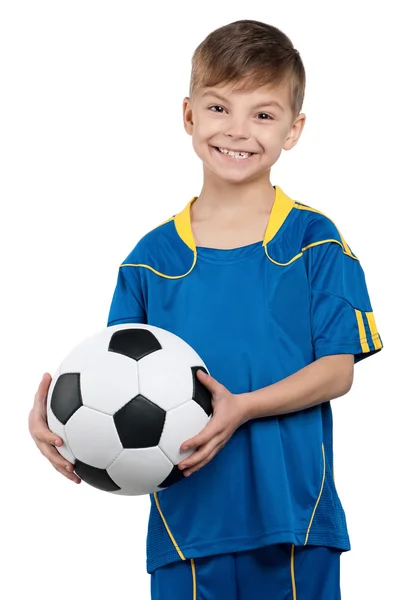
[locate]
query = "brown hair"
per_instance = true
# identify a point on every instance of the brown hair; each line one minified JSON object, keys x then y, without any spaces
{"x":249,"y":54}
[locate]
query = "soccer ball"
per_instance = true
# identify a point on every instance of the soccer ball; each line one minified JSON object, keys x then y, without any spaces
{"x":123,"y":401}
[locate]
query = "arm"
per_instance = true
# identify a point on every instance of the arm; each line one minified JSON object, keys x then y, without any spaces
{"x":325,"y":379}
{"x":343,"y":332}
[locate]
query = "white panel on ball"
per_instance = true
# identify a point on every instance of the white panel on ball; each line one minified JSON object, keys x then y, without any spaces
{"x":177,"y":346}
{"x":93,"y":438}
{"x":165,"y":379}
{"x":58,"y":428}
{"x":181,"y":423}
{"x":94,"y":345}
{"x":80,"y":355}
{"x":109,"y":381}
{"x":138,"y":471}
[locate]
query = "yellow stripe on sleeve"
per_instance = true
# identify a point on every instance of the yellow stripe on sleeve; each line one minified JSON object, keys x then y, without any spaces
{"x":362,"y":331}
{"x":373,"y":330}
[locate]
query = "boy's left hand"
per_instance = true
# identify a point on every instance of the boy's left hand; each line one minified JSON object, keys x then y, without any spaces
{"x":228,"y":415}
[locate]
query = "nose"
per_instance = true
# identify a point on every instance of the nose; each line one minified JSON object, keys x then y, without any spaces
{"x":237,"y":129}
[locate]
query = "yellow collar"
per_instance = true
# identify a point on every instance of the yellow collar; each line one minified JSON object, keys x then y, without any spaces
{"x":281,"y":208}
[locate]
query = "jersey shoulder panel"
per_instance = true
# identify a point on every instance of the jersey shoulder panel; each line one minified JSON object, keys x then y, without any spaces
{"x":304,"y":228}
{"x":162,"y":252}
{"x":320,"y":229}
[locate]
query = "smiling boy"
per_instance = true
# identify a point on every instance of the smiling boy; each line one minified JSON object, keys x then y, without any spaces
{"x":274,"y":300}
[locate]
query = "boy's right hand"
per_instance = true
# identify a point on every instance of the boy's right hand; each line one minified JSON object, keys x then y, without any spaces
{"x":44,"y":438}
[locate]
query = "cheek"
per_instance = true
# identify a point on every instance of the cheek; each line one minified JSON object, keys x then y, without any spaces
{"x":273,"y":143}
{"x":276,"y":152}
{"x":196,"y":146}
{"x":203,"y":134}
{"x":205,"y":130}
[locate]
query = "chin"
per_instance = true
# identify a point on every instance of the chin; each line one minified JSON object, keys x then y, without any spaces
{"x":235,"y":178}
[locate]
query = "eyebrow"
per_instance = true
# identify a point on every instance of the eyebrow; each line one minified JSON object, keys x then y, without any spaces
{"x":267,"y":103}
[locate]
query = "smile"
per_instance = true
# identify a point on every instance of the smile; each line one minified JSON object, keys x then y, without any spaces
{"x":237,"y":155}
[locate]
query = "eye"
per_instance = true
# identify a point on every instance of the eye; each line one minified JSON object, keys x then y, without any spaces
{"x":216,"y":106}
{"x":266,"y":115}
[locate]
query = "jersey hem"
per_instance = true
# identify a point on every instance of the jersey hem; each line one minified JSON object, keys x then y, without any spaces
{"x":124,"y":321}
{"x":296,"y":537}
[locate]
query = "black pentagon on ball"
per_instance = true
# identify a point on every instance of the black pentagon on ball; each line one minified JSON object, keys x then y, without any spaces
{"x":175,"y":476}
{"x":134,"y":343}
{"x":201,"y":394}
{"x":98,"y":478}
{"x":66,"y":396}
{"x":139,"y":423}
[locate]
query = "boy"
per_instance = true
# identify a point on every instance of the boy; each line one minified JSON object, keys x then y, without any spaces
{"x":270,"y":295}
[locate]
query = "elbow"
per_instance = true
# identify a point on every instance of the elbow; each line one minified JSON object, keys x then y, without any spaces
{"x":347,"y":374}
{"x":347,"y":384}
{"x":342,"y":369}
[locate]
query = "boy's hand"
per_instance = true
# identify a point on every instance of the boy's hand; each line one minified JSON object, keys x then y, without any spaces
{"x":228,"y":415}
{"x":43,"y":437}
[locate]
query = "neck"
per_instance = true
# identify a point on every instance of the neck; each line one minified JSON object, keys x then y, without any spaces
{"x":221,"y":196}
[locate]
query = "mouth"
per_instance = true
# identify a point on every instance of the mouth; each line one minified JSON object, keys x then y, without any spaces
{"x":234,"y":154}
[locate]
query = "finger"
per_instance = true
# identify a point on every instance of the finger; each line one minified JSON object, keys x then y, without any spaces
{"x":40,"y":431}
{"x":210,"y":382}
{"x":55,"y":457}
{"x":42,"y":393}
{"x":200,"y":454}
{"x":203,"y":462}
{"x":69,"y":475}
{"x":43,"y":435}
{"x":207,"y":433}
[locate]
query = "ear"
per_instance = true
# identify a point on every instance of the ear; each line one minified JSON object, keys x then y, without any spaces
{"x":295,"y":132}
{"x":188,"y":116}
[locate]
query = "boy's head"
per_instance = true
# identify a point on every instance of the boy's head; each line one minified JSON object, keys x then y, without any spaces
{"x":246,"y":92}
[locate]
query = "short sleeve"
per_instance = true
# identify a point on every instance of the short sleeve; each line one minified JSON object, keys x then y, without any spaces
{"x":127,"y":304}
{"x":342,"y":319}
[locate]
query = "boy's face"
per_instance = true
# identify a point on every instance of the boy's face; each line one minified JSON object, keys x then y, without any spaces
{"x":258,"y":122}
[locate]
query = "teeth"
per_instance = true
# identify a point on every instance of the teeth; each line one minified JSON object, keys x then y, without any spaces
{"x":235,"y":154}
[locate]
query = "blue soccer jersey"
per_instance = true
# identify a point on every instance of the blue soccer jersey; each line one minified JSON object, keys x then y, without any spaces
{"x":255,"y":315}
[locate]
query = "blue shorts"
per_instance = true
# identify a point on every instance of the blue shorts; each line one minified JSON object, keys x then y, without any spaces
{"x":279,"y":572}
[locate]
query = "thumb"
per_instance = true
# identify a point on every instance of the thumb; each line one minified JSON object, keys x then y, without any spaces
{"x":210,"y":382}
{"x":43,"y":388}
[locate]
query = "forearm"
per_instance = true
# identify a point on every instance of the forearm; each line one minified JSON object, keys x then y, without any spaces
{"x":324,"y":379}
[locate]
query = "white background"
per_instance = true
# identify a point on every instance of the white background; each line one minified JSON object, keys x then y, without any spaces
{"x":94,"y":154}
